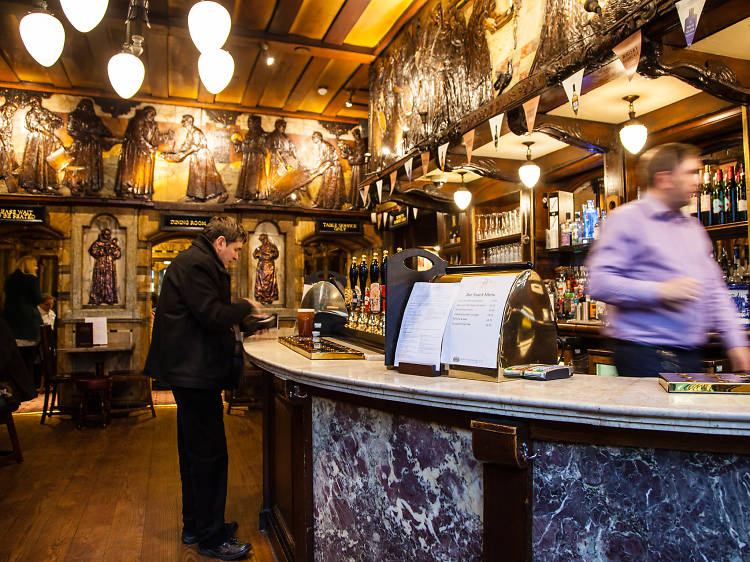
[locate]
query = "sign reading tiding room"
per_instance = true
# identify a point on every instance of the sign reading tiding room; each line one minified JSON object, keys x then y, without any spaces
{"x":338,"y":227}
{"x":26,"y":214}
{"x":184,"y":222}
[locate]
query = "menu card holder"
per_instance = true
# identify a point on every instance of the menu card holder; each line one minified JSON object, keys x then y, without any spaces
{"x":399,"y":282}
{"x":84,"y":334}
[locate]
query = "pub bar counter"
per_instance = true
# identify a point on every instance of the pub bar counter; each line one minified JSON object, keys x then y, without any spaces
{"x":362,"y":462}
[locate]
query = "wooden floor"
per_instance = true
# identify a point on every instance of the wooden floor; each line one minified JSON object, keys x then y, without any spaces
{"x":114,"y":494}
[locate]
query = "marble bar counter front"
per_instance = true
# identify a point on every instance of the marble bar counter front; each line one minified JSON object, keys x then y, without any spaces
{"x":364,"y":463}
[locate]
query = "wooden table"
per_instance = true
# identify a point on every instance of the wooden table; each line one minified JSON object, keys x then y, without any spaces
{"x":98,"y":353}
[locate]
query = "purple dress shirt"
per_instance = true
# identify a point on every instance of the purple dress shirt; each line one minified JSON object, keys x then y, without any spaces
{"x":642,"y":244}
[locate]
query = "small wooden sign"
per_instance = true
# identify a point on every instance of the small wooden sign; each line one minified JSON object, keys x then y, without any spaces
{"x":338,"y":227}
{"x":184,"y":222}
{"x":400,"y":218}
{"x":26,"y":214}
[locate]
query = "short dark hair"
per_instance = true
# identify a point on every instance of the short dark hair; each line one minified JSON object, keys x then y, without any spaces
{"x":228,"y":227}
{"x":663,"y":158}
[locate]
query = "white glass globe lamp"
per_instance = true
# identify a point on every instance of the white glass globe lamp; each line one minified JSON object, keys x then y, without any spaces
{"x":462,"y":196}
{"x":209,"y":24}
{"x":530,"y":171}
{"x":84,"y":15}
{"x":633,"y":133}
{"x":43,"y":35}
{"x":126,"y":72}
{"x":216,"y":69}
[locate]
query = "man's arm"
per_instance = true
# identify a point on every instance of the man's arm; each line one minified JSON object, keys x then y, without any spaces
{"x":202,"y":298}
{"x":609,"y":262}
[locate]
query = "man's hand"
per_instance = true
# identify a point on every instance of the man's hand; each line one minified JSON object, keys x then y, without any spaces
{"x":740,"y":358}
{"x":679,"y":290}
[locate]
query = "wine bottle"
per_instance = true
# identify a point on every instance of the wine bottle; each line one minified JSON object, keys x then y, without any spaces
{"x":741,"y":194}
{"x":731,"y":196}
{"x":719,"y":213}
{"x":705,"y":204}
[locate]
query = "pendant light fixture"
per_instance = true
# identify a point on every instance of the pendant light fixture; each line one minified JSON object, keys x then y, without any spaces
{"x":462,"y":196}
{"x":530,"y":171}
{"x":43,"y":35}
{"x":209,"y":24}
{"x":125,"y":69}
{"x":216,"y":69}
{"x":84,"y":15}
{"x":633,"y":133}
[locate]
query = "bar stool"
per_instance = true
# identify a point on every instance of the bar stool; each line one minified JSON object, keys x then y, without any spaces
{"x":89,"y":387}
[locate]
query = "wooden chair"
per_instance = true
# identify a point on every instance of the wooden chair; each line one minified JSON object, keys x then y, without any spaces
{"x":94,"y":386}
{"x":15,"y":454}
{"x":48,"y":348}
{"x":132,"y":392}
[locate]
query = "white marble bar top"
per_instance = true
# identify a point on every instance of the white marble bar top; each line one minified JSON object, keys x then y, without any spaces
{"x":594,"y":400}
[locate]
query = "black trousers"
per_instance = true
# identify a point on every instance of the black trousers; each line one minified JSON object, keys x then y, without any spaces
{"x":641,"y":360}
{"x":202,"y":446}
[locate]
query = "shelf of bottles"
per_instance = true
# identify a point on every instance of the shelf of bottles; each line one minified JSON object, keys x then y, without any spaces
{"x":365,"y":296}
{"x":578,"y":233}
{"x":570,"y":301}
{"x":721,"y":204}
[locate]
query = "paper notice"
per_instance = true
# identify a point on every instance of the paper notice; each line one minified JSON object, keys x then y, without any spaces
{"x":424,"y":322}
{"x":100,"y":329}
{"x":473,"y":331}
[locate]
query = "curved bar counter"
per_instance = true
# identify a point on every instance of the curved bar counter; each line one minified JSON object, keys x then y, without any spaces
{"x":365,"y":463}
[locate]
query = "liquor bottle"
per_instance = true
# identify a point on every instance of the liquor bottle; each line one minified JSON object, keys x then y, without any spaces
{"x":590,"y":217}
{"x":705,"y":204}
{"x":363,"y":274}
{"x":375,"y":268}
{"x":574,"y":100}
{"x":730,"y":204}
{"x":741,"y":194}
{"x":717,"y":199}
{"x":565,"y":239}
{"x":575,"y":230}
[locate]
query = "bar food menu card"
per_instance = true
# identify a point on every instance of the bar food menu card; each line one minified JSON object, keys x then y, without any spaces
{"x":473,"y":331}
{"x":423,"y":323}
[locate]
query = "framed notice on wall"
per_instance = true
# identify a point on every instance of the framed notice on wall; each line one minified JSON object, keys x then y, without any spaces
{"x":190,"y":223}
{"x":22,"y":214}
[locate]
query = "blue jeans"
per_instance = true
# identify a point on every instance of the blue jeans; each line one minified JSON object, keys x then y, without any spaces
{"x":642,"y":360}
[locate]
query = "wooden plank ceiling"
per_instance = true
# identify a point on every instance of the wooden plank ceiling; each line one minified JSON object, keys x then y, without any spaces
{"x":327,"y":43}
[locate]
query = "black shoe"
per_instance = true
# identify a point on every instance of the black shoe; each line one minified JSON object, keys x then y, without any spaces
{"x":229,"y":528}
{"x":228,"y":550}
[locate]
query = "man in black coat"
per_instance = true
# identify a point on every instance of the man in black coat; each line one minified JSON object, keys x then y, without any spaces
{"x":192,"y":349}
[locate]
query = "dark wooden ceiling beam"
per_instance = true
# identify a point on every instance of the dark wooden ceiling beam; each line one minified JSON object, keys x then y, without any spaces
{"x":181,"y":102}
{"x":306,"y":82}
{"x":283,"y":16}
{"x":286,"y":71}
{"x":347,"y":17}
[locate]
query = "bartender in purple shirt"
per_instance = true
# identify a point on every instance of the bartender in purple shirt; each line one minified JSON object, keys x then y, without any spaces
{"x":653,"y":266}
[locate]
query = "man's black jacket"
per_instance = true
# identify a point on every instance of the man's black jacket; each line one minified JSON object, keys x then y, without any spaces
{"x":193,"y":340}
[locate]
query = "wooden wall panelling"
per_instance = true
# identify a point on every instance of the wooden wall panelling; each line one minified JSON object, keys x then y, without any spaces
{"x":203,"y":94}
{"x":345,"y":20}
{"x":336,"y":73}
{"x":183,"y":68}
{"x":244,"y":56}
{"x":78,"y":61}
{"x":284,"y":15}
{"x":6,"y":72}
{"x":286,"y":72}
{"x":102,"y":46}
{"x":157,"y":71}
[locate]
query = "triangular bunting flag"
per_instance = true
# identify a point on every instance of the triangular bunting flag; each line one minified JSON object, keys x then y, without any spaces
{"x":469,"y":143}
{"x":496,"y":125}
{"x":629,"y":53}
{"x":407,"y":167}
{"x":380,"y":219}
{"x":414,"y":211}
{"x":373,"y":217}
{"x":363,"y":194}
{"x":379,"y":185}
{"x":690,"y":13}
{"x":442,"y":151}
{"x":529,"y":109}
{"x":425,"y":162}
{"x":572,"y":87}
{"x":394,"y":174}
